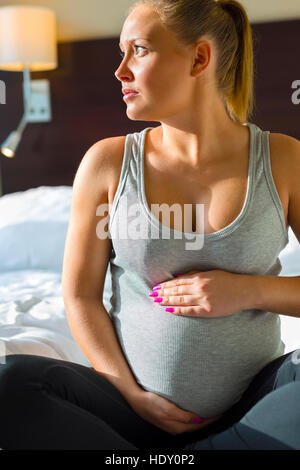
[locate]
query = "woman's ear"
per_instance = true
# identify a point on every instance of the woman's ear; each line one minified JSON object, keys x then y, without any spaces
{"x":202,"y":57}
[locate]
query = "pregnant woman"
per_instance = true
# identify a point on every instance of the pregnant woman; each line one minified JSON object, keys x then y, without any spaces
{"x":189,"y":356}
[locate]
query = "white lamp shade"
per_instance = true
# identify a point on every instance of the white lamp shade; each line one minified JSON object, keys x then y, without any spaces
{"x":27,"y":38}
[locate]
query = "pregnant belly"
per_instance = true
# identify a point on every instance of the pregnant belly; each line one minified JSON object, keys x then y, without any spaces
{"x":202,"y":365}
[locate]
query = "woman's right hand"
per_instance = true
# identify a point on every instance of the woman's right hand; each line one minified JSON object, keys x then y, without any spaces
{"x":164,"y":414}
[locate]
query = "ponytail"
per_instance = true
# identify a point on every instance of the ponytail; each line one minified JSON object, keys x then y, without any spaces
{"x":240,"y":99}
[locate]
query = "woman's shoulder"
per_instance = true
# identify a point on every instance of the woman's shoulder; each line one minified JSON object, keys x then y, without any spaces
{"x":284,"y":140}
{"x":110,"y":148}
{"x":109,"y":152}
{"x":285,"y":162}
{"x":107,"y":155}
{"x":284,"y":151}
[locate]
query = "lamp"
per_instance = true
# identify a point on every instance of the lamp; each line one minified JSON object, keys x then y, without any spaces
{"x":28,"y":43}
{"x":11,"y":143}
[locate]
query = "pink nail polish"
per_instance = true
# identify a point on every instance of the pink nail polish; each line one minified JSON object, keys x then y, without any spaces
{"x":156,"y":287}
{"x":197,"y":419}
{"x":169,"y":309}
{"x":153,"y":294}
{"x":158,"y":299}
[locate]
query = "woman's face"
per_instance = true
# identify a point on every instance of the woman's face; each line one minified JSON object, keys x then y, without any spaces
{"x":156,"y":65}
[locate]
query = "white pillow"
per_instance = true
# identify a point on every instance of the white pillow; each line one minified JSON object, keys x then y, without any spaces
{"x":290,"y":261}
{"x":290,"y":256}
{"x":33,"y":228}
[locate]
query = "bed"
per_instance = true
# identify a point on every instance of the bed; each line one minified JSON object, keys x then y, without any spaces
{"x":33,"y":226}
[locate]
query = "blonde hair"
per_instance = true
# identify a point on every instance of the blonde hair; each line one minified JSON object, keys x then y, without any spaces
{"x":226,"y":21}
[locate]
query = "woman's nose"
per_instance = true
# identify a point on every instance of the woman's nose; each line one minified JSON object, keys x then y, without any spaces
{"x":118,"y":72}
{"x":123,"y":70}
{"x":121,"y":74}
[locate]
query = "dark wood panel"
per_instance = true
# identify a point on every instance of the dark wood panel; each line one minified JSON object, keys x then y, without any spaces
{"x":87,"y":104}
{"x":277,"y":66}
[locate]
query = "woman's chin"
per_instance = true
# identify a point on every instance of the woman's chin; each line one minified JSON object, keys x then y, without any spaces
{"x":140,"y":115}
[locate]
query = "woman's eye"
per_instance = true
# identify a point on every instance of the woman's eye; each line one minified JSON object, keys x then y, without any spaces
{"x":138,"y":47}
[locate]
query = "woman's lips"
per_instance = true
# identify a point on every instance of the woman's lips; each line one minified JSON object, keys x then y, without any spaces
{"x":130,"y":95}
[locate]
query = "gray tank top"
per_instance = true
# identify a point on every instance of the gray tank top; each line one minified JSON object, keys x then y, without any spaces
{"x":203,"y":365}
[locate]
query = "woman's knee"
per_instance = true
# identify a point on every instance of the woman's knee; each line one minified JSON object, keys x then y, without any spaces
{"x":289,"y":371}
{"x":278,"y":415}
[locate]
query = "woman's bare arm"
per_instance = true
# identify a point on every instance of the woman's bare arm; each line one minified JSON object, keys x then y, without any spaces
{"x":85,"y":263}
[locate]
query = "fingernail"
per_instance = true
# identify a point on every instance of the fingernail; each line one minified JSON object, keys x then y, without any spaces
{"x":197,"y":419}
{"x":156,"y":287}
{"x":169,"y":309}
{"x":178,"y":275}
{"x":153,"y":294}
{"x":158,"y":299}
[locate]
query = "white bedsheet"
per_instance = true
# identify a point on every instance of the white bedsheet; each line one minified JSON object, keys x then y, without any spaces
{"x":33,"y":318}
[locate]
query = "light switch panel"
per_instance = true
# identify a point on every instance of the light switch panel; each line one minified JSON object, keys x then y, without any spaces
{"x":39,"y":109}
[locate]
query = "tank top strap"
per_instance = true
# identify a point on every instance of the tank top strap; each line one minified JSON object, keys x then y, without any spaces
{"x":127,"y":155}
{"x":266,"y":156}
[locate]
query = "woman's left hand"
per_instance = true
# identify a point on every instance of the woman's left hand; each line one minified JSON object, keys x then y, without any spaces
{"x":209,"y":294}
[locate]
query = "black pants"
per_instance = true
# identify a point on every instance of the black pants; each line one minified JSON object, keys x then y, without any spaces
{"x":53,"y":404}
